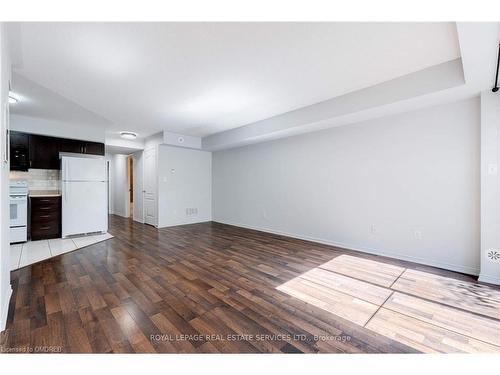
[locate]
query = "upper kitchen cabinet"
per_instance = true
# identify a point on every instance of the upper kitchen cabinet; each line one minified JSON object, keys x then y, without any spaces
{"x":94,"y":148}
{"x":71,"y":145}
{"x":44,"y":152}
{"x":19,"y":151}
{"x":81,"y":147}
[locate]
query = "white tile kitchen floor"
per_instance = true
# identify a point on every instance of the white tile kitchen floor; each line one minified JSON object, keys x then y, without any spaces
{"x":34,"y":251}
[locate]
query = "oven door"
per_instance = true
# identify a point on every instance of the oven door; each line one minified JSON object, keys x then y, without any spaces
{"x":18,"y":210}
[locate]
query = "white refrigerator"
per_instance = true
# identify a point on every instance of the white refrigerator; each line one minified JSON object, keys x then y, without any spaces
{"x":84,"y":199}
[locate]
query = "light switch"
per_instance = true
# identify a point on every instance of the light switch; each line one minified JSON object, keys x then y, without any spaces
{"x":418,"y":234}
{"x":492,"y":169}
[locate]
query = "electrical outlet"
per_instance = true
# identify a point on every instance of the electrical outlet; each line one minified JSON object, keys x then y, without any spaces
{"x":418,"y":234}
{"x":191,"y":211}
{"x":373,"y":229}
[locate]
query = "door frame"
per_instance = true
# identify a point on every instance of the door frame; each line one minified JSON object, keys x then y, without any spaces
{"x":138,"y":161}
{"x":108,"y":187}
{"x":155,"y":184}
{"x":129,"y":157}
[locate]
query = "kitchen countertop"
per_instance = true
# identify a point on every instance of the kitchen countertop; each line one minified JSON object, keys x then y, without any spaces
{"x":44,"y":193}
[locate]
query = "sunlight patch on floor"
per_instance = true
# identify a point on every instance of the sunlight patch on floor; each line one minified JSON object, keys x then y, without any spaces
{"x":427,"y":312}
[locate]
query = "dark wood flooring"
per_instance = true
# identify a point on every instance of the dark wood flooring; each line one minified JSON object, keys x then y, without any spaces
{"x":197,"y":288}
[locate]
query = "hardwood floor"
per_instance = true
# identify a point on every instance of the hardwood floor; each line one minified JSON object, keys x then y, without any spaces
{"x":208,"y":288}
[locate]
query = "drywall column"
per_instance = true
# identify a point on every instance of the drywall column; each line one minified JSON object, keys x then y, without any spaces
{"x":109,"y":159}
{"x":184,"y":186}
{"x":5,"y":288}
{"x":120,"y":185}
{"x":490,"y":187}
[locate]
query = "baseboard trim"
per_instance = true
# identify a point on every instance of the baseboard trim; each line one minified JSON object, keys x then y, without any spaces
{"x":489,"y":279}
{"x":183,"y":223}
{"x":5,"y":310}
{"x":120,"y":214}
{"x":433,"y":263}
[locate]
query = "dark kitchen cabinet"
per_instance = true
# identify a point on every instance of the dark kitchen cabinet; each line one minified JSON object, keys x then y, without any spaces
{"x":19,"y":151}
{"x":45,"y":218}
{"x":81,"y":147}
{"x":94,"y":148}
{"x":44,"y":152}
{"x":71,"y":145}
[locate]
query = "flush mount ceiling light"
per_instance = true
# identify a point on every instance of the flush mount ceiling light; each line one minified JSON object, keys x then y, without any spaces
{"x":128,"y":135}
{"x":12,"y":98}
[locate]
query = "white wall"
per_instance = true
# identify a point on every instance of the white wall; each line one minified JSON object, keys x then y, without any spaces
{"x":5,"y":74}
{"x":109,"y":158}
{"x":417,"y":171}
{"x":153,"y":141}
{"x":55,"y":128}
{"x":119,"y":185}
{"x":185,"y":181}
{"x":181,"y":140}
{"x":490,"y":185}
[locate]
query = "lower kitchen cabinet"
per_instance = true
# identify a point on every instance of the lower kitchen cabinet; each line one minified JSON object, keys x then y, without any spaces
{"x":45,"y":217}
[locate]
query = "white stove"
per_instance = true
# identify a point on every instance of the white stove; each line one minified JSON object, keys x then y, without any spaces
{"x":18,"y":191}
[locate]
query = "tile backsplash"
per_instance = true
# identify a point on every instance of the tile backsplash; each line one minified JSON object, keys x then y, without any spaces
{"x":39,"y":179}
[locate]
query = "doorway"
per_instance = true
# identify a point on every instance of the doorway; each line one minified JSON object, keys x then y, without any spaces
{"x":130,"y":182}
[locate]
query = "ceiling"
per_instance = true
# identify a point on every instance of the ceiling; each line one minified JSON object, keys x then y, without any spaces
{"x":37,"y":101}
{"x":121,"y":150}
{"x":204,"y":78}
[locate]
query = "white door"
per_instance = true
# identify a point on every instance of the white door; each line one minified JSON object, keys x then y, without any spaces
{"x":150,"y":186}
{"x":138,"y":187}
